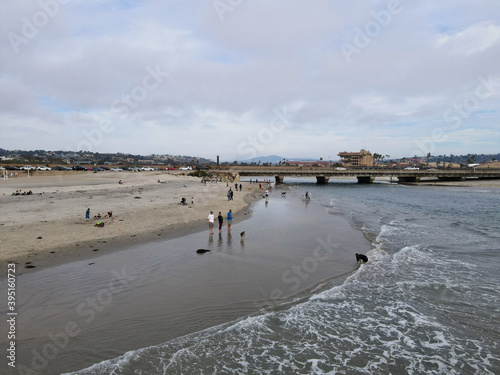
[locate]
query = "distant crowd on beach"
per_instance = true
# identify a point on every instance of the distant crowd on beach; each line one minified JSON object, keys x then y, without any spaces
{"x":109,"y":215}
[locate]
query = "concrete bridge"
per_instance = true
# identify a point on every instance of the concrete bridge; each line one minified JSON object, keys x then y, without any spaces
{"x":367,"y":175}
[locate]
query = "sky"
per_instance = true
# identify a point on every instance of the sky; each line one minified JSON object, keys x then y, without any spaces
{"x":247,"y":78}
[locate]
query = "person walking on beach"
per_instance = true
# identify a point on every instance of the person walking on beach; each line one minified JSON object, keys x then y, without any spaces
{"x":229,"y":194}
{"x":221,"y":221}
{"x":211,"y":223}
{"x":87,"y":215}
{"x":229,"y":220}
{"x":240,"y":187}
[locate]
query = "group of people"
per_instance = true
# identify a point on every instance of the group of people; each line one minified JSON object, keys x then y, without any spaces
{"x":109,"y":215}
{"x":20,"y":192}
{"x":220,"y":218}
{"x":210,"y":180}
{"x":230,"y":192}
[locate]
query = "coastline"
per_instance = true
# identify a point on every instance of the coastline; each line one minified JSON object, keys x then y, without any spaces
{"x":167,"y":291}
{"x":143,"y":211}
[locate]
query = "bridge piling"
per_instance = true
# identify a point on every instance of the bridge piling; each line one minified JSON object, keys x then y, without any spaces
{"x":321,"y":180}
{"x":278,"y":179}
{"x":408,"y":179}
{"x":445,"y":178}
{"x":365,"y":179}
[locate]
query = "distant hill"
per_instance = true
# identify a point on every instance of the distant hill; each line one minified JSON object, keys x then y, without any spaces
{"x":263,"y":159}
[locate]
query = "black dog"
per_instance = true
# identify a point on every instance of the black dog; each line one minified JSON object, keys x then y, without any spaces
{"x":242,"y":234}
{"x":202,"y":251}
{"x":360,"y":258}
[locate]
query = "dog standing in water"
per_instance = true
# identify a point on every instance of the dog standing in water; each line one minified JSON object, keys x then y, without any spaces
{"x":360,"y":258}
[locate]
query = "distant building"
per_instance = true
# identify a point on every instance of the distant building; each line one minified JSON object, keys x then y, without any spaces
{"x":442,"y":164}
{"x":415,"y":160}
{"x":308,"y":163}
{"x":362,"y":158}
{"x":491,"y":164}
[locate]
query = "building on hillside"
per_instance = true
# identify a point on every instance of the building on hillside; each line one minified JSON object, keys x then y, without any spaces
{"x":362,"y":158}
{"x":415,"y":161}
{"x":491,"y":164}
{"x":442,"y":164}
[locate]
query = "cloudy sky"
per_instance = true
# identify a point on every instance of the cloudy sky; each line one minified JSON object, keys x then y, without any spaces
{"x":245,"y":78}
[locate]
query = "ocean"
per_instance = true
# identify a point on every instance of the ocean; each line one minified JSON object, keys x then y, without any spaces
{"x":427,"y":301}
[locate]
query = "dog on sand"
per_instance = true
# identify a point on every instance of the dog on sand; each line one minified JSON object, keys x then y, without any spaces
{"x":360,"y":258}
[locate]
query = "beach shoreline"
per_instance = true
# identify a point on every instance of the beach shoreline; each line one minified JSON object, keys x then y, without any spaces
{"x":144,"y":210}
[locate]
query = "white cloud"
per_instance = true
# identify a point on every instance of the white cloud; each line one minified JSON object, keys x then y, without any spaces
{"x":475,"y":38}
{"x":225,"y":78}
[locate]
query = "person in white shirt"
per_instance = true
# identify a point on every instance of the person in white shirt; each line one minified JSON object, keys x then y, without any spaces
{"x":211,"y":219}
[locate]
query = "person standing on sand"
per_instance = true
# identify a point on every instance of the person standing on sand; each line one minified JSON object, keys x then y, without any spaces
{"x":221,"y":221}
{"x":229,"y":220}
{"x":87,"y":215}
{"x":211,"y":223}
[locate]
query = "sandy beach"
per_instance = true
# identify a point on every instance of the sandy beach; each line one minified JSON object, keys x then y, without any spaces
{"x":49,"y":227}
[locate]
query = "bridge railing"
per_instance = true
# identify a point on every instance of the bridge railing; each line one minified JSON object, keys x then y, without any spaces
{"x":287,"y":171}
